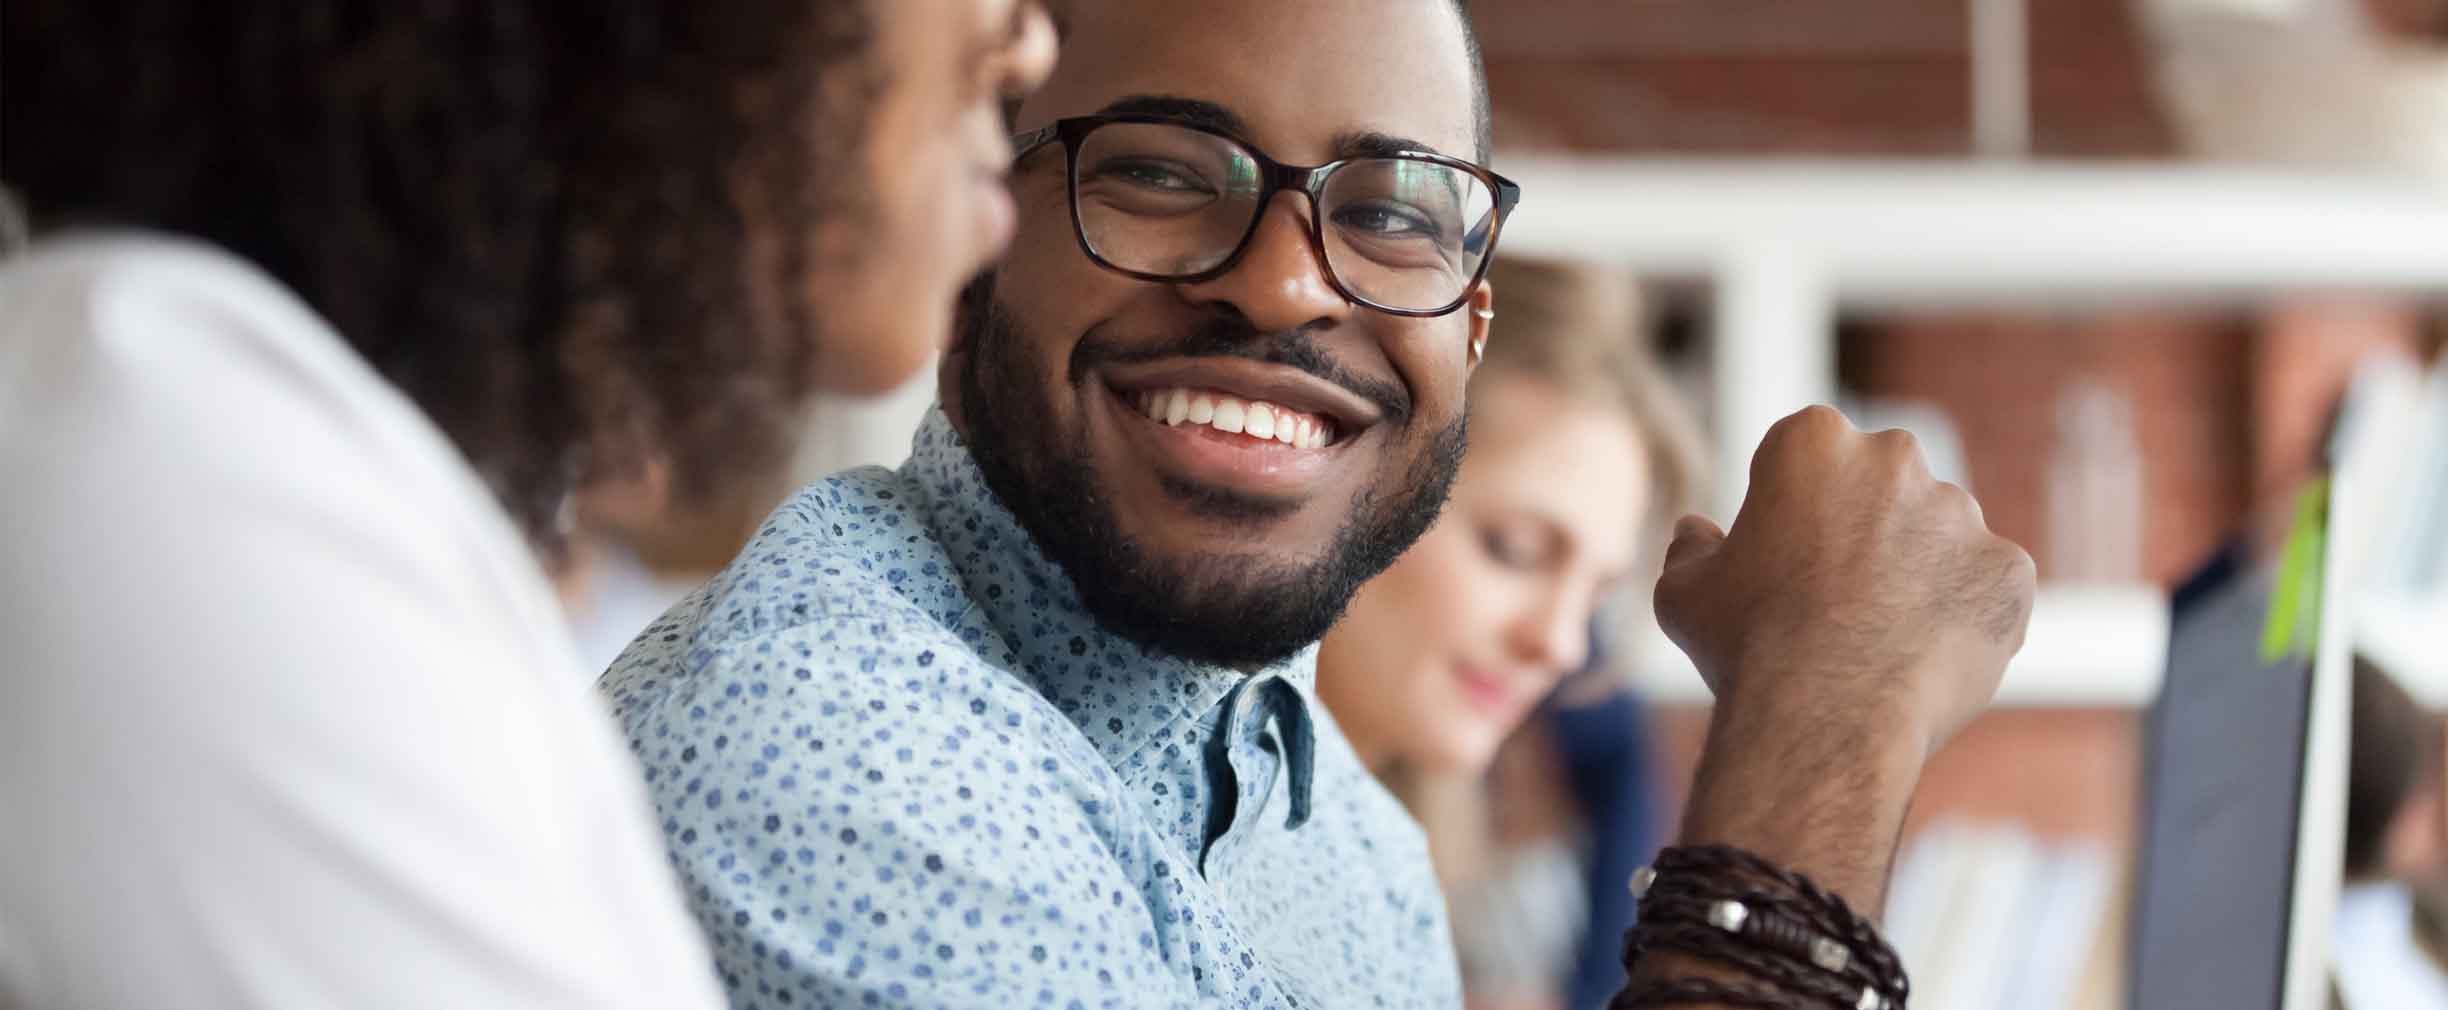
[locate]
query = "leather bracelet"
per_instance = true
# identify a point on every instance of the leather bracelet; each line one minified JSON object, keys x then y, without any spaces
{"x":1818,"y":988}
{"x":1733,"y":908}
{"x":1687,"y":991}
{"x":1830,"y":913}
{"x":1791,"y":913}
{"x":1769,"y":923}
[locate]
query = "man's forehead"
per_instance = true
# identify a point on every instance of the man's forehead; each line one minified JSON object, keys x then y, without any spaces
{"x":1299,"y":74}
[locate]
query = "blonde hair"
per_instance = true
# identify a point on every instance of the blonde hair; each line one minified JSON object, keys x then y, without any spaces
{"x":1580,"y":329}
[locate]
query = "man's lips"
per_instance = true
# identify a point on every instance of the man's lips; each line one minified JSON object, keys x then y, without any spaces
{"x":1278,"y":387}
{"x":1274,"y":454}
{"x":1227,"y":414}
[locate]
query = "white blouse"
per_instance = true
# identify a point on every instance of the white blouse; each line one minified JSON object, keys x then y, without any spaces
{"x":288,"y":713}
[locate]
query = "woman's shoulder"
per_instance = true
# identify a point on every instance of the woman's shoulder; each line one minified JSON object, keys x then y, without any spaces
{"x":162,"y":400}
{"x":256,"y":595}
{"x":83,"y":315}
{"x":109,"y":333}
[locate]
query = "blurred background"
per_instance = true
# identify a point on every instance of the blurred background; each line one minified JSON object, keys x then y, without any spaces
{"x":2119,"y":263}
{"x":2122,"y":265}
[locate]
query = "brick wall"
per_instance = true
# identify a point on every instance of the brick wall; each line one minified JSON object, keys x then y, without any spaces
{"x":1800,"y":77}
{"x":2227,"y":406}
{"x":1999,"y":377}
{"x":2222,"y":424}
{"x":2229,"y":411}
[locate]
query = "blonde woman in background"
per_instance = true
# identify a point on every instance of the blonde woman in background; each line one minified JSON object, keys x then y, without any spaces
{"x":1465,"y":674}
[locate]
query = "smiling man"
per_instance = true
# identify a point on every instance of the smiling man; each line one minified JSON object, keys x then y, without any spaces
{"x":1030,"y":721}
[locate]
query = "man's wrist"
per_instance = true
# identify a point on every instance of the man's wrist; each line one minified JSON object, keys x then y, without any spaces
{"x":1822,"y":788}
{"x":1836,"y":691}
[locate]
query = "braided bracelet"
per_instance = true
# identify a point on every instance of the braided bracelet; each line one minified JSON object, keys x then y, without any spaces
{"x":1724,"y":905}
{"x":1747,"y":922}
{"x":1687,"y":991}
{"x":1828,"y":913}
{"x":1712,"y":944}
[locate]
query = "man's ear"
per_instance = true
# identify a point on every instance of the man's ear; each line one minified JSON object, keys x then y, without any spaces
{"x":947,"y":390}
{"x":1482,"y":310}
{"x":968,"y":319}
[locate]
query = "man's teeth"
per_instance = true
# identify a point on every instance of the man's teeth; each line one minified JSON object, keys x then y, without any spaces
{"x":1255,"y":419}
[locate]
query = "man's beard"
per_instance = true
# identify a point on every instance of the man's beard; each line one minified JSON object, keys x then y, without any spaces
{"x":1216,"y":609}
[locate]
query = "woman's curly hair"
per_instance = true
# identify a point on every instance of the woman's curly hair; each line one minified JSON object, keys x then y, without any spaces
{"x":578,"y":235}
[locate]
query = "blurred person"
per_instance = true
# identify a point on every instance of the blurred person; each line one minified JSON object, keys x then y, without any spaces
{"x":2392,"y":949}
{"x":2396,"y":823}
{"x":334,"y":312}
{"x":638,"y":549}
{"x":1030,"y":720}
{"x":644,"y":551}
{"x":1445,"y":671}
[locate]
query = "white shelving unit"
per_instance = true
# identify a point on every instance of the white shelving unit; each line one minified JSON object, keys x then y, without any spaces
{"x":2089,"y":647}
{"x":1786,"y":245}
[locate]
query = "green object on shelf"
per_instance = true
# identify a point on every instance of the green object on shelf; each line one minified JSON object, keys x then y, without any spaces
{"x":2293,"y":628}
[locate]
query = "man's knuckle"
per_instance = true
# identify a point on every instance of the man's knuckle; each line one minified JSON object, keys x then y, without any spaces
{"x":1958,"y":503}
{"x":2016,"y":563}
{"x":1815,"y":421}
{"x":1897,"y":449}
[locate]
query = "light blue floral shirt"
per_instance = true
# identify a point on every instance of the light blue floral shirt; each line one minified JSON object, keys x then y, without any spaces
{"x":899,"y":765}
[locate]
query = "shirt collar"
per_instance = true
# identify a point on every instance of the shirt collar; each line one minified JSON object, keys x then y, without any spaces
{"x":1127,"y":699}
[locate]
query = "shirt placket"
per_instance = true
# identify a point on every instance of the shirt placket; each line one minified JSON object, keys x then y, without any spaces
{"x":1263,"y":735}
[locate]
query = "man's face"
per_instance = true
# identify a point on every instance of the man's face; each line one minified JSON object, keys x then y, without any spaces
{"x":1189,"y":538}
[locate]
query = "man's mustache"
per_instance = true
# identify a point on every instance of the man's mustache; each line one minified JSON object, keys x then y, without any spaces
{"x":1227,"y":336}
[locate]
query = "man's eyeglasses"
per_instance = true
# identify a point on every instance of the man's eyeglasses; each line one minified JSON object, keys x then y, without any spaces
{"x":1408,"y":233}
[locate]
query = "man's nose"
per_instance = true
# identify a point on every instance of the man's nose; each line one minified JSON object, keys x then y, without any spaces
{"x":1280,"y":282}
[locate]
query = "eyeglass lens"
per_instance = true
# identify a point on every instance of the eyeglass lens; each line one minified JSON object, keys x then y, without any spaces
{"x":1166,"y":200}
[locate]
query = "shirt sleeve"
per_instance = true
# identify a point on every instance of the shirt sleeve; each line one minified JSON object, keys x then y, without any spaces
{"x":274,"y":731}
{"x":858,"y":828}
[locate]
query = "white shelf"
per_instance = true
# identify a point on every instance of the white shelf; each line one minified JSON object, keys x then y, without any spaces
{"x":1789,"y":244}
{"x":2407,"y":638}
{"x":2089,"y":647}
{"x":1877,"y":232}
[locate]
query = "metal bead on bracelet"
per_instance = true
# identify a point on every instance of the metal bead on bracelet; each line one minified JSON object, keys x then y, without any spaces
{"x":1736,"y":918}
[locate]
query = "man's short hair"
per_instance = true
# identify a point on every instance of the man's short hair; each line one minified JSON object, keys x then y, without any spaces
{"x":1483,"y":126}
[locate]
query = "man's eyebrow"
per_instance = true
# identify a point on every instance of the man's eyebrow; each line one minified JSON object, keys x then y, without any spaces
{"x":1371,"y":144}
{"x":1214,"y":116}
{"x":1188,"y":111}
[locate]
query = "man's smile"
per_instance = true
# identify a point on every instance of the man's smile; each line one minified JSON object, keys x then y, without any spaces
{"x":1224,"y":412}
{"x":1237,"y":424}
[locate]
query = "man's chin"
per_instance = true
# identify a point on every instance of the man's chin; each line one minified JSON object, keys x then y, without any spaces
{"x":1219,"y":575}
{"x":1239,"y":610}
{"x":1212,"y":517}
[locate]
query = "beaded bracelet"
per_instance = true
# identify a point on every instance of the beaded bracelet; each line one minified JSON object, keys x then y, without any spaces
{"x":1762,"y":921}
{"x":1736,"y":909}
{"x":1826,"y":912}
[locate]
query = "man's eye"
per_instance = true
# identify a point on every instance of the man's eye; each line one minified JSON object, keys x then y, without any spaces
{"x":1383,"y":218}
{"x":1154,"y":175}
